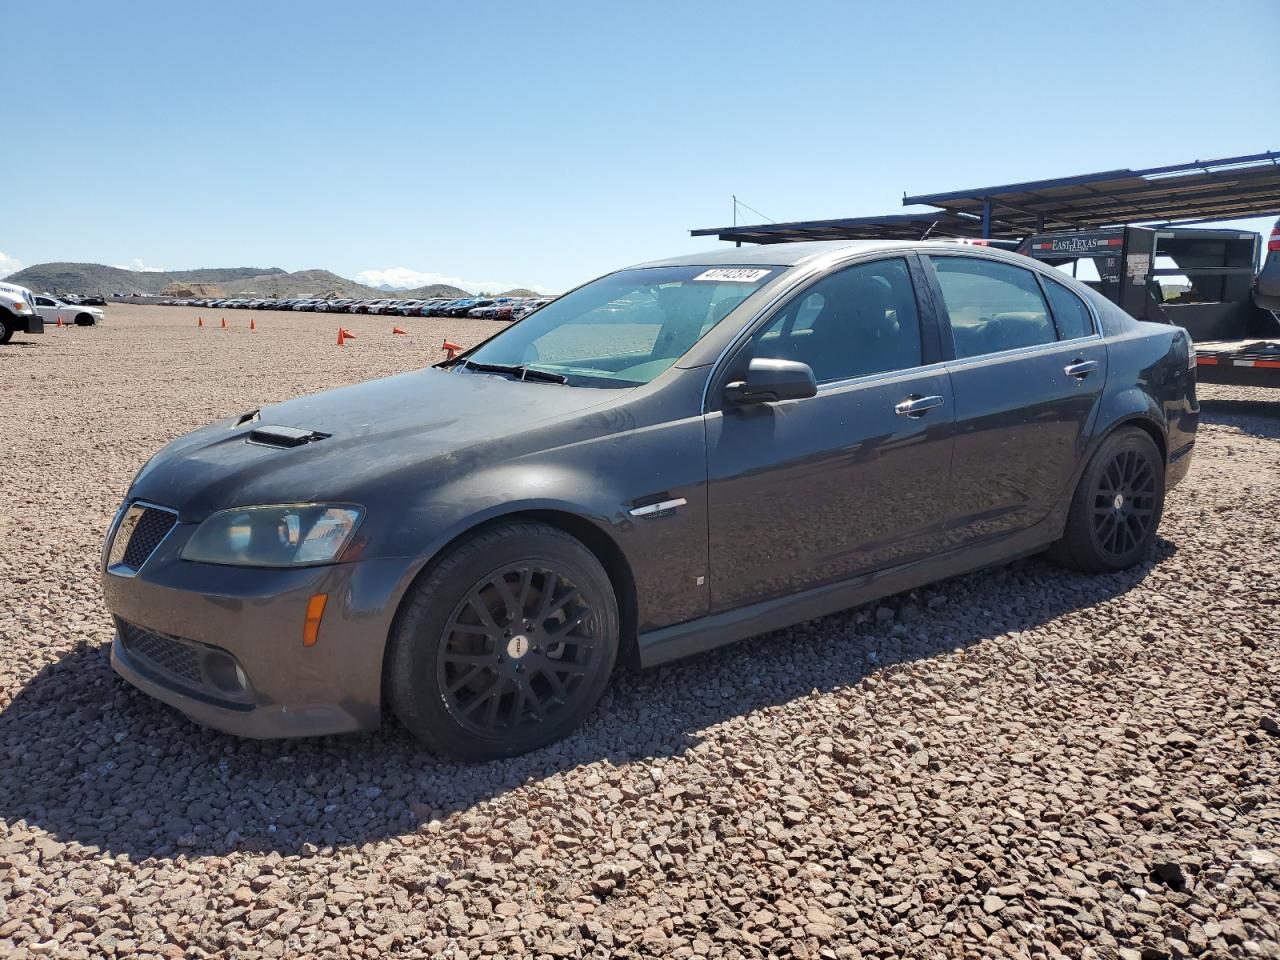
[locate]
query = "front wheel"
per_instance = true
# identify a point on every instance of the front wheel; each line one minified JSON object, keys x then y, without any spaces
{"x":6,"y":329}
{"x":1117,"y":506}
{"x":505,"y":645}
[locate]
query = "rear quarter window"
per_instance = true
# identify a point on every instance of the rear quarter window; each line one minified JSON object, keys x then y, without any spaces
{"x":1069,"y":312}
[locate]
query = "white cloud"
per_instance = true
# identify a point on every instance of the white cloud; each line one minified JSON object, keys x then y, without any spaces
{"x":404,"y":278}
{"x":9,"y":265}
{"x":137,"y":264}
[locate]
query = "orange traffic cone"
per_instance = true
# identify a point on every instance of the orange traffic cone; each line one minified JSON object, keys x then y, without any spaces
{"x":342,"y":337}
{"x":199,"y":321}
{"x":59,"y":319}
{"x":252,"y":324}
{"x":398,"y":330}
{"x":450,"y":350}
{"x":348,"y":334}
{"x":224,"y":323}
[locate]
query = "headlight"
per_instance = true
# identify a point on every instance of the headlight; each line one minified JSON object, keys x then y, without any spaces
{"x":291,"y":535}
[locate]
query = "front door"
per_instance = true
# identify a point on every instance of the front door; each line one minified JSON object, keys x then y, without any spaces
{"x":854,"y":479}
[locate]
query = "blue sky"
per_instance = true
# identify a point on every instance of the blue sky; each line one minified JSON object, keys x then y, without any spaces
{"x":546,"y":143}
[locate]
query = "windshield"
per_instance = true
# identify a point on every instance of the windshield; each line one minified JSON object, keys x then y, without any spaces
{"x":624,"y":329}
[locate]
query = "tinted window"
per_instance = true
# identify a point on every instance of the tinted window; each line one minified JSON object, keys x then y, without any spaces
{"x":858,"y":321}
{"x":1069,"y":311}
{"x":993,"y":306}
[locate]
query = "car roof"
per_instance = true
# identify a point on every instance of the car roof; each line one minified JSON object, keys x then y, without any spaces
{"x":777,"y":254}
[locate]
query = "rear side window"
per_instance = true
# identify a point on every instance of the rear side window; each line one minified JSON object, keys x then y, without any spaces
{"x":992,"y":306}
{"x":1070,"y":313}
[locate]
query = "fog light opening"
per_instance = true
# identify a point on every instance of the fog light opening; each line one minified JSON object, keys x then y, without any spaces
{"x":225,"y":674}
{"x":311,"y":626}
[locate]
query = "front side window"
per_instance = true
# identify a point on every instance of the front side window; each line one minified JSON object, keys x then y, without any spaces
{"x":623,"y":329}
{"x":993,"y":306}
{"x":1070,"y":313}
{"x":858,"y":321}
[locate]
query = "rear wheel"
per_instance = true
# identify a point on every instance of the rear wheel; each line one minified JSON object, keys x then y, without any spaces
{"x":1117,"y":506}
{"x":506,"y":645}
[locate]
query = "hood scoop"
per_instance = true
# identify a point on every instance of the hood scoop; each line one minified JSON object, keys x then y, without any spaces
{"x":283,"y":437}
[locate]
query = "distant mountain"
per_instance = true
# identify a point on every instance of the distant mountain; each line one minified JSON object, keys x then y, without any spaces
{"x":434,"y":290}
{"x":303,"y":283}
{"x":94,"y":278}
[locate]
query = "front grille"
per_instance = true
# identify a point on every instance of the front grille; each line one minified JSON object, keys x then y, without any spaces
{"x":152,"y":527}
{"x":163,"y":653}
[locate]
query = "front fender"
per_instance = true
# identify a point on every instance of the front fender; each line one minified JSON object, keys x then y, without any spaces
{"x":598,"y":481}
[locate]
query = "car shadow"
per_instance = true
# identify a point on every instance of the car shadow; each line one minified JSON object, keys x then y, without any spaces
{"x":91,"y":760}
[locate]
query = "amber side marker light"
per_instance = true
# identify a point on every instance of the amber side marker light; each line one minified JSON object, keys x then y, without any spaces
{"x":311,"y":626}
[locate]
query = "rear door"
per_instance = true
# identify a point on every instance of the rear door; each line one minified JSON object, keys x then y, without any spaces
{"x":813,"y":491}
{"x":1028,"y":367}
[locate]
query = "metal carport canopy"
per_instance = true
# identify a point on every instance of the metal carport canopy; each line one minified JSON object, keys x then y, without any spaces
{"x":893,"y":226}
{"x":1199,"y":192}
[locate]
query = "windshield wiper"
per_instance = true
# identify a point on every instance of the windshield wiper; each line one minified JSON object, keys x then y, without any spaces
{"x":516,"y":370}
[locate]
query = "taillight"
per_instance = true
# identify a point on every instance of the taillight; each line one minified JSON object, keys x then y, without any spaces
{"x":1274,"y":243}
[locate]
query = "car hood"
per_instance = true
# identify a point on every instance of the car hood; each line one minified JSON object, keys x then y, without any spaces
{"x":431,"y":423}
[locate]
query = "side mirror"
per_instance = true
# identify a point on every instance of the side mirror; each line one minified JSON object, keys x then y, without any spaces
{"x":769,"y":381}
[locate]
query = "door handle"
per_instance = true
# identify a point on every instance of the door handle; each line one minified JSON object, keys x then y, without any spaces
{"x":916,"y":406}
{"x":1080,"y":368}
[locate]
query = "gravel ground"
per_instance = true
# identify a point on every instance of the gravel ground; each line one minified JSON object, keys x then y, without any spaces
{"x":1021,"y":762}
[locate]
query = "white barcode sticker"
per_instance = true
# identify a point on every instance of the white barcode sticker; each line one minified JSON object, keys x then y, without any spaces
{"x":731,"y":275}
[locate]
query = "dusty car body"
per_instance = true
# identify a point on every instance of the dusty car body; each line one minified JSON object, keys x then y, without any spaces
{"x":731,"y":477}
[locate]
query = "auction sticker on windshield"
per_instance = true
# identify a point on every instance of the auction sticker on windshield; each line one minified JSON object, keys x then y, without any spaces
{"x":732,"y":275}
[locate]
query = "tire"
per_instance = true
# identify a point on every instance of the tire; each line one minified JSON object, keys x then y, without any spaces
{"x":470,"y":679}
{"x":6,"y":328}
{"x":84,"y":320}
{"x":1117,"y":506}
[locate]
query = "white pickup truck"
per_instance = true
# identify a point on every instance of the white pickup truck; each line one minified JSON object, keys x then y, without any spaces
{"x":18,"y":312}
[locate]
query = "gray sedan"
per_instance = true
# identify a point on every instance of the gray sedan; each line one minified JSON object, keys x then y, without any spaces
{"x":667,"y":459}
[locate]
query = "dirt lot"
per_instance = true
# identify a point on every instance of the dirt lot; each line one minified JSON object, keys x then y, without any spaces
{"x":1021,"y":762}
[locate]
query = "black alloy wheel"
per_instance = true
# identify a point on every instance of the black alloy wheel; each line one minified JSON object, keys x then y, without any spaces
{"x":503,"y":645}
{"x":1124,"y":503}
{"x":1117,"y":505}
{"x":516,"y":649}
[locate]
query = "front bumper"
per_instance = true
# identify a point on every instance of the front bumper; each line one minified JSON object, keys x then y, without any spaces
{"x":254,"y":618}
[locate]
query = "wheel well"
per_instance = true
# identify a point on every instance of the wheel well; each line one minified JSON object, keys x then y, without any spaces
{"x":1151,"y":429}
{"x":84,"y":319}
{"x":594,"y":539}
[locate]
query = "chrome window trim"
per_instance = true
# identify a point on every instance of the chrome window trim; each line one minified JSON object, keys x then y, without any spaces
{"x":119,"y":568}
{"x":887,"y":376}
{"x":1020,"y":352}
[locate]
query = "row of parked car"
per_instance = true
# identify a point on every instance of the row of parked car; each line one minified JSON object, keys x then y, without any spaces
{"x":488,"y":308}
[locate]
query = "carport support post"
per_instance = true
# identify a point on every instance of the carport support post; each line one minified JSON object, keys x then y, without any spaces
{"x":986,"y":218}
